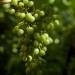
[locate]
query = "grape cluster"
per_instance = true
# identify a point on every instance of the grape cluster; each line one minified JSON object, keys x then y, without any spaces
{"x":32,"y":32}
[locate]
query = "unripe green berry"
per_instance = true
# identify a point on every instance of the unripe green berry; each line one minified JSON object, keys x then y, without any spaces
{"x":16,"y":28}
{"x":36,"y":36}
{"x":36,"y":51}
{"x":36,"y":16}
{"x":22,"y":15}
{"x":17,"y":14}
{"x":35,"y":27}
{"x":14,"y":50}
{"x":30,"y":3}
{"x":42,"y":38}
{"x":25,"y":1}
{"x":34,"y":65}
{"x":46,"y":35}
{"x":50,"y":26}
{"x":42,"y":52}
{"x":47,"y":42}
{"x":30,"y":30}
{"x":21,"y":4}
{"x":28,"y":70}
{"x":56,"y":41}
{"x":15,"y":2}
{"x":51,"y":1}
{"x":36,"y":43}
{"x":24,"y":58}
{"x":30,"y":58}
{"x":44,"y":48}
{"x":20,"y":32}
{"x":41,"y":13}
{"x":56,"y":22}
{"x":11,"y":11}
{"x":29,"y":17}
{"x":23,"y":48}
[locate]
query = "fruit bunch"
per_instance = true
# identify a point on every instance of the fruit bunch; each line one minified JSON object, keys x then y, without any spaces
{"x":32,"y":30}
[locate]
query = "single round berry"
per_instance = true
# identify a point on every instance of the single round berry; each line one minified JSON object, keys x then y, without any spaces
{"x":44,"y":48}
{"x":23,"y":48}
{"x":25,"y":1}
{"x":46,"y":35}
{"x":16,"y":28}
{"x":36,"y":43}
{"x":11,"y":11}
{"x":24,"y":58}
{"x":21,"y":4}
{"x":36,"y":16}
{"x":30,"y":58}
{"x":20,"y":32}
{"x":30,"y":30}
{"x":42,"y":38}
{"x":28,"y":70}
{"x":15,"y":2}
{"x":36,"y":51}
{"x":36,"y":36}
{"x":41,"y":13}
{"x":42,"y":52}
{"x":56,"y":22}
{"x":30,"y":3}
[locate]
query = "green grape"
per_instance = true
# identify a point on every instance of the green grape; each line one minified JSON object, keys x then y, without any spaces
{"x":12,"y":11}
{"x":46,"y":35}
{"x":22,"y":15}
{"x":32,"y":25}
{"x":44,"y":48}
{"x":17,"y":14}
{"x":15,"y":2}
{"x":37,"y":11}
{"x":1,"y":49}
{"x":28,"y":70}
{"x":41,"y":13}
{"x":42,"y":37}
{"x":47,"y":42}
{"x":14,"y":50}
{"x":51,"y":1}
{"x":16,"y":28}
{"x":23,"y":48}
{"x":29,"y":17}
{"x":30,"y":30}
{"x":14,"y":45}
{"x":25,"y":1}
{"x":42,"y":52}
{"x":51,"y":40}
{"x":30,"y":58}
{"x":24,"y":58}
{"x":36,"y":43}
{"x":33,"y":65}
{"x":30,"y":3}
{"x":56,"y":41}
{"x":20,"y":32}
{"x":36,"y":51}
{"x":35,"y":27}
{"x":36,"y":36}
{"x":36,"y":16}
{"x":20,"y":41}
{"x":50,"y":26}
{"x":21,"y":4}
{"x":56,"y":22}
